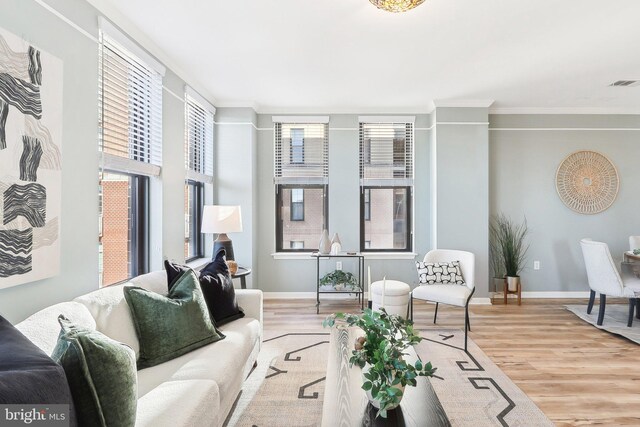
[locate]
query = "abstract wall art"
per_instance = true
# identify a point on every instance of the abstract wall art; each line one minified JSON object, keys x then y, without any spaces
{"x":30,"y":162}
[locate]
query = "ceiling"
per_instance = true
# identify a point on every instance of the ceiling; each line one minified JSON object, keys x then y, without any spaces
{"x":347,"y":56}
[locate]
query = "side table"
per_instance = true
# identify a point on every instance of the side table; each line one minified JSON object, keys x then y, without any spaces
{"x":242,"y":274}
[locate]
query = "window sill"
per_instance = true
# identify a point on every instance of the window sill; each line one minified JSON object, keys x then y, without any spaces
{"x":367,"y":255}
{"x":198,"y":264}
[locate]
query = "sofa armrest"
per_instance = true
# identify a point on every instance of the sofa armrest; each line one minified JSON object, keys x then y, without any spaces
{"x":251,"y":302}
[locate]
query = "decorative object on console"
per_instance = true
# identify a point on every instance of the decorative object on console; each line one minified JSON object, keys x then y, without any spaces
{"x":396,"y":5}
{"x":30,"y":161}
{"x":101,"y":373}
{"x":233,"y":267}
{"x":324,"y":247}
{"x":222,"y":220}
{"x":430,"y":273}
{"x":173,"y":325}
{"x":219,"y":293}
{"x":380,"y":355}
{"x":336,"y":245}
{"x":587,"y":182}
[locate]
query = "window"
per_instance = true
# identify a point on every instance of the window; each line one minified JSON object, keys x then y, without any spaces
{"x":193,"y":207}
{"x":199,"y":116}
{"x":130,"y":96}
{"x":297,"y":204}
{"x":386,"y":184}
{"x":301,"y":184}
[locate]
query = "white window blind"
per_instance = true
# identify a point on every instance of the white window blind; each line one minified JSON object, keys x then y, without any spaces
{"x":386,"y":154}
{"x":199,"y":141}
{"x":131,"y":111}
{"x":301,"y":153}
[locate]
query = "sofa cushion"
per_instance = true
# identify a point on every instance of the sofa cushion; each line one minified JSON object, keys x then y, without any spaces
{"x":180,"y":403}
{"x":43,"y":329}
{"x":101,"y":374}
{"x":27,"y":374}
{"x":219,"y":292}
{"x":174,"y":271}
{"x":440,"y":273}
{"x":170,"y":326}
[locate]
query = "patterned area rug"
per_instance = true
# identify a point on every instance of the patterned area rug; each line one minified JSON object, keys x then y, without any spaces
{"x":287,"y":386}
{"x":615,"y":319}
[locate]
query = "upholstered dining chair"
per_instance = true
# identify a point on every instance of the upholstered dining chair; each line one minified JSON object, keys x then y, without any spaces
{"x":605,"y":279}
{"x":634,"y":242}
{"x":451,"y":294}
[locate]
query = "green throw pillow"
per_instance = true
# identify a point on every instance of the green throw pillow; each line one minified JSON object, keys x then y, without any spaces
{"x":102,"y":376}
{"x":173,"y":325}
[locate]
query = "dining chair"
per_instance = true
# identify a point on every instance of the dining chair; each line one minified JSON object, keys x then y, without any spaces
{"x":604,"y":278}
{"x":450,"y":294}
{"x":634,"y":242}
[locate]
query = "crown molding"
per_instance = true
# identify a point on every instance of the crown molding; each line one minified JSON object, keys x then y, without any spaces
{"x":564,"y":110}
{"x":463,"y":103}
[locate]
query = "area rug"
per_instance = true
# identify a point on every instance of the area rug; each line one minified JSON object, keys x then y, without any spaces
{"x":615,"y":319}
{"x":287,"y":386}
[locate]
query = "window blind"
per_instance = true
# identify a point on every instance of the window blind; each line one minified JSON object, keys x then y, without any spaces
{"x":199,"y":141}
{"x":386,"y":154}
{"x":301,"y":153}
{"x":131,"y":111}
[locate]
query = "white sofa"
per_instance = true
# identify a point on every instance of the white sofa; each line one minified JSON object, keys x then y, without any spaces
{"x":196,"y":389}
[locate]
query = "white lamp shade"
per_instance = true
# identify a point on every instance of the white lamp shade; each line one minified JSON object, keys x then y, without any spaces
{"x":221,"y":219}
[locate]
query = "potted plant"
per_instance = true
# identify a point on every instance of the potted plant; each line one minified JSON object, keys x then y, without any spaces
{"x":340,"y":280}
{"x":380,"y":354}
{"x":496,"y":261}
{"x":510,"y":241}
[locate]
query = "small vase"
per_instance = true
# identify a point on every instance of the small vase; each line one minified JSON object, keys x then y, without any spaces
{"x":325,"y":244}
{"x":374,"y":402}
{"x":513,"y":283}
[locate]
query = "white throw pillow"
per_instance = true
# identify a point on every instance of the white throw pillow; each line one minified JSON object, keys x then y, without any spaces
{"x":440,"y":273}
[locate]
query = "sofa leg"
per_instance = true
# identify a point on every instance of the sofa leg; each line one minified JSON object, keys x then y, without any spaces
{"x":435,"y":315}
{"x":603,"y":303}
{"x":632,"y":306}
{"x":592,"y":298}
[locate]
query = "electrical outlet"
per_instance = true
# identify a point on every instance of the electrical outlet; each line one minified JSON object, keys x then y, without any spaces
{"x":536,"y":265}
{"x":339,"y":265}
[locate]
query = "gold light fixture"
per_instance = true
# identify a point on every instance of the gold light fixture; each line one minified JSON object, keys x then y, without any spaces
{"x":396,"y":5}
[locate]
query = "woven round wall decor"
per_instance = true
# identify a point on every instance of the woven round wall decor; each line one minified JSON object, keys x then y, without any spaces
{"x":587,"y":182}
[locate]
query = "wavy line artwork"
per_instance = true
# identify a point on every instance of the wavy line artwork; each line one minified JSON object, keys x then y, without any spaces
{"x":23,"y":95}
{"x":28,"y":201}
{"x":51,"y":157}
{"x":47,"y":235}
{"x":4,"y":112}
{"x":30,"y":159}
{"x":15,"y":252}
{"x":35,"y":67}
{"x":15,"y":63}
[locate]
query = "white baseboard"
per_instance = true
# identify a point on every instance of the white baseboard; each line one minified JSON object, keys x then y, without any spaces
{"x":480,"y":301}
{"x":547,"y":294}
{"x":312,"y":295}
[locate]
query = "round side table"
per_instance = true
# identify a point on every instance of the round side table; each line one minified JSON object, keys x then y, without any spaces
{"x":242,"y":274}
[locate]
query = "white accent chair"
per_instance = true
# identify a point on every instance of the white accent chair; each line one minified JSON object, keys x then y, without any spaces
{"x":451,"y":294}
{"x":605,"y":279}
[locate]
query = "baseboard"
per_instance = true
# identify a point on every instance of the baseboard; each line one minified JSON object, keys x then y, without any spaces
{"x":312,"y":295}
{"x":547,"y":294}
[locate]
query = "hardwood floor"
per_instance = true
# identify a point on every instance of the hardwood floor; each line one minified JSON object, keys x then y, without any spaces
{"x":577,"y":374}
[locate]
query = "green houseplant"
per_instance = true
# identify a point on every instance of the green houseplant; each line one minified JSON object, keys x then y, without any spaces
{"x":509,"y":238}
{"x":380,"y":353}
{"x":340,"y":280}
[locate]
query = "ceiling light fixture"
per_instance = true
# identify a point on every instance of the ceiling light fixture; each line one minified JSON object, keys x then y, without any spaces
{"x":396,"y":5}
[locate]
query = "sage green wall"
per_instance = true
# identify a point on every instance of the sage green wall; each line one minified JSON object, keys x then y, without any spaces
{"x":525,"y":151}
{"x":79,"y":218}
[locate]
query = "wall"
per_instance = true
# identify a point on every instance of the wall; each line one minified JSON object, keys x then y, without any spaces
{"x":525,"y":151}
{"x":79,"y":226}
{"x":298,"y":273}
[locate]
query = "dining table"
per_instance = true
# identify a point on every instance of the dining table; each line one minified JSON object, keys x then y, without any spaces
{"x":632,"y":261}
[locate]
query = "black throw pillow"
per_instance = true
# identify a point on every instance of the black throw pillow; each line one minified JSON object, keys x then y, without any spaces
{"x":174,"y":271}
{"x":218,"y":291}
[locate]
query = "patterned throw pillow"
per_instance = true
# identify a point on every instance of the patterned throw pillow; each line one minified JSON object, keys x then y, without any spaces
{"x":440,"y":273}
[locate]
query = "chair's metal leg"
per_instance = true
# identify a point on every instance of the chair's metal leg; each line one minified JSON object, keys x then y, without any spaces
{"x":592,"y":298}
{"x":435,"y":315}
{"x":632,"y":306}
{"x":603,"y":303}
{"x":411,"y":304}
{"x":466,"y":321}
{"x":637,"y":308}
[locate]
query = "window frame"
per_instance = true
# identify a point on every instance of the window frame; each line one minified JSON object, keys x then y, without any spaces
{"x":291,"y":202}
{"x":409,"y":232}
{"x":279,"y":208}
{"x":197,"y":209}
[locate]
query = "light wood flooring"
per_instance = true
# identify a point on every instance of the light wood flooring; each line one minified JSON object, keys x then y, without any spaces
{"x":577,"y":374}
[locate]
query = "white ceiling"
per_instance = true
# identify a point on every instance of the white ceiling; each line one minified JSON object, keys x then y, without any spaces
{"x":348,"y":56}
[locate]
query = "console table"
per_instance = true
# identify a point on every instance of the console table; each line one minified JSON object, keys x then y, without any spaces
{"x":359,"y":291}
{"x":346,"y":404}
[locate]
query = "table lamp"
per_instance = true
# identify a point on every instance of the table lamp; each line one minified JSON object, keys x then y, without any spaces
{"x":222,"y":220}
